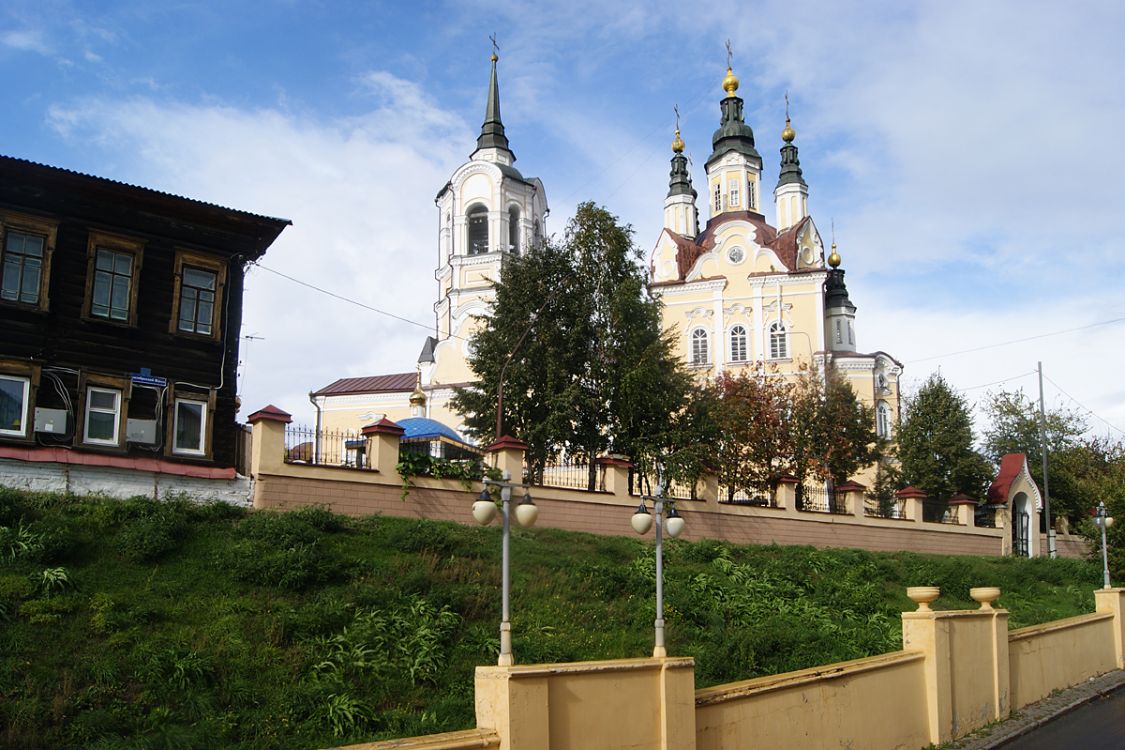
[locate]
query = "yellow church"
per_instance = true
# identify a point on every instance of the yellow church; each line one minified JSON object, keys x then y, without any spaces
{"x":740,"y":294}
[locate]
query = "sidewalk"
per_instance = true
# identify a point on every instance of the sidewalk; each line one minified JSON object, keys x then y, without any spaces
{"x":1037,"y":714}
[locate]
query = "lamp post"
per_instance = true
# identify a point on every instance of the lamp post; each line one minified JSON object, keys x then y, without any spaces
{"x":642,"y":521}
{"x":1103,"y":521}
{"x":484,"y":510}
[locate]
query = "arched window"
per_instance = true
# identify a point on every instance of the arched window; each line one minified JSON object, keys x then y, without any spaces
{"x":883,"y":420}
{"x":700,"y":354}
{"x":738,"y":344}
{"x":478,"y":229}
{"x":779,"y":341}
{"x":514,"y":230}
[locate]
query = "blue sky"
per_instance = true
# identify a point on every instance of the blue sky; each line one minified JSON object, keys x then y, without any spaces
{"x":968,"y":153}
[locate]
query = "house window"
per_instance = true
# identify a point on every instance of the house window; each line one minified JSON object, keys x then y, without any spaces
{"x":103,"y":416}
{"x":883,"y":420}
{"x":478,"y":230}
{"x":113,"y":284}
{"x":699,"y":347}
{"x":26,"y":245}
{"x":718,"y":198}
{"x":733,"y":187}
{"x":198,"y":295}
{"x":779,"y":341}
{"x":514,"y":230}
{"x":738,"y":344}
{"x":14,"y":405}
{"x":23,"y":266}
{"x":197,"y":300}
{"x":190,"y":427}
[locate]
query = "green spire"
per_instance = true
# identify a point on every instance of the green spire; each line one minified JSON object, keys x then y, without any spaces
{"x":492,"y":131}
{"x":790,"y":164}
{"x":733,"y":133}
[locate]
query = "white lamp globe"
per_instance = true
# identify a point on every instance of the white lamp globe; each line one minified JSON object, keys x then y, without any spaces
{"x":641,"y":520}
{"x":526,"y":514}
{"x":484,"y":511}
{"x":674,"y":524}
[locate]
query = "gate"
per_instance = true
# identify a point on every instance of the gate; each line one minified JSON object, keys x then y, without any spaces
{"x":1021,"y":534}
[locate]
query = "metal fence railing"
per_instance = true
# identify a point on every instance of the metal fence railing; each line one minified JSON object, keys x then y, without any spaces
{"x":873,"y":507}
{"x":987,"y":519}
{"x":303,"y":445}
{"x":570,"y":474}
{"x":643,"y":485}
{"x":936,"y":511}
{"x":819,"y":499}
{"x":757,"y":498}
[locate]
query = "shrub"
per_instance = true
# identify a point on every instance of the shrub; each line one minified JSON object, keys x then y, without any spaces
{"x":20,"y":542}
{"x":152,"y":534}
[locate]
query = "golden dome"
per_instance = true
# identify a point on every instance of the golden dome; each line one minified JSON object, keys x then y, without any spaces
{"x":730,"y":83}
{"x":834,"y":259}
{"x":493,"y":57}
{"x":678,"y":143}
{"x":418,"y":397}
{"x":789,"y":133}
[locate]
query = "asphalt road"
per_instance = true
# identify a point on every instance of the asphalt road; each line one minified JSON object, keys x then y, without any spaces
{"x":1098,"y":725}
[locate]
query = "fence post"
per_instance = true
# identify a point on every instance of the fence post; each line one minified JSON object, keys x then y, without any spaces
{"x":507,"y":455}
{"x":1113,"y":600}
{"x":913,"y":501}
{"x":382,"y":445}
{"x":787,"y":494}
{"x":853,"y":497}
{"x":615,"y":475}
{"x":267,"y":440}
{"x":709,"y":486}
{"x":965,"y":508}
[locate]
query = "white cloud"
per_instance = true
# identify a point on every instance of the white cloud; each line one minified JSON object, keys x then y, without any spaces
{"x":360,"y":195}
{"x":26,"y":40}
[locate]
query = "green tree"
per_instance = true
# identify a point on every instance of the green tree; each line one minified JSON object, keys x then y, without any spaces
{"x":755,"y":445}
{"x":589,"y":368}
{"x":834,"y":434}
{"x":935,"y":444}
{"x":1014,"y":428}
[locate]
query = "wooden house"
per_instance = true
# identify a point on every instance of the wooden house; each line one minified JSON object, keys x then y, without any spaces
{"x":120,"y":311}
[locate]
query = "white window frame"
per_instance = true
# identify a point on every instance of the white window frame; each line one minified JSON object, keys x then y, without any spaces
{"x":779,"y":340}
{"x":700,"y":335}
{"x":117,"y":395}
{"x":883,"y":420}
{"x":732,"y":189}
{"x":21,"y":433}
{"x":741,"y":344}
{"x":718,"y":197}
{"x":176,"y":449}
{"x":750,"y":202}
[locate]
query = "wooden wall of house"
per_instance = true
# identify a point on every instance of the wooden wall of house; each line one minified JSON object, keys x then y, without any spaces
{"x":62,"y":337}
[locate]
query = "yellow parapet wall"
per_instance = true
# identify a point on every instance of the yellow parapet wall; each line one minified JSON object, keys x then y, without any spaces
{"x":958,"y":671}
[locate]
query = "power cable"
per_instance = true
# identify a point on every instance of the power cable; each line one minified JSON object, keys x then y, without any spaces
{"x":1017,"y":341}
{"x":1090,"y":411}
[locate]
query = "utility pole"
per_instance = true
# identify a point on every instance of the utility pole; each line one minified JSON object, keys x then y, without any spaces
{"x":1043,"y":449}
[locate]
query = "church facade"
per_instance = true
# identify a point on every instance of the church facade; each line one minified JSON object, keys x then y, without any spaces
{"x":741,"y":294}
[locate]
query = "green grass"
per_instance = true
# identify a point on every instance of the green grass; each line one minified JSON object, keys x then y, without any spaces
{"x":134,"y":624}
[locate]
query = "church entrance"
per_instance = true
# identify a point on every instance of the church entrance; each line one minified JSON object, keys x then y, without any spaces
{"x":1021,"y":526}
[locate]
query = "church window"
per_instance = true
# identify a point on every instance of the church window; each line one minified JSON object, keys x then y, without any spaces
{"x":537,"y":232}
{"x":734,"y":193}
{"x":699,"y":347}
{"x":738,"y":344}
{"x":750,"y":199}
{"x":718,"y":198}
{"x":514,"y":230}
{"x":478,"y":230}
{"x":839,"y":335}
{"x":883,"y":420}
{"x":779,"y":341}
{"x":851,"y":333}
{"x":735,"y":255}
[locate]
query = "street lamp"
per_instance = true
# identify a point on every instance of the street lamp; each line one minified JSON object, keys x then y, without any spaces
{"x":484,"y":510}
{"x":1103,"y":521}
{"x":642,"y":522}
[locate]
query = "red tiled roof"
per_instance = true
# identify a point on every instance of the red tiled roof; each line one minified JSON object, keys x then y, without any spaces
{"x":962,"y":499}
{"x":910,"y":491}
{"x":399,"y":381}
{"x":783,"y":244}
{"x":384,"y":427}
{"x":1010,"y":467}
{"x":270,"y":413}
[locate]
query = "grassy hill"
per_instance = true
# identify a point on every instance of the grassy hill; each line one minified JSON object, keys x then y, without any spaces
{"x":133,"y":624}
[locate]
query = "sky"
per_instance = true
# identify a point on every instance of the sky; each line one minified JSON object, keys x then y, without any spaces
{"x":968,"y":155}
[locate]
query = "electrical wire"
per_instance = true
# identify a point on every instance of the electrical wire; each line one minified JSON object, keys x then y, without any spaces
{"x":1090,"y":411}
{"x":998,"y":382}
{"x":357,"y":303}
{"x":1017,"y":341}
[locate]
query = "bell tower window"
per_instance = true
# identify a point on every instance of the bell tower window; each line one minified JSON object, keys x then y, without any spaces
{"x":750,"y":202}
{"x":478,"y":230}
{"x":514,"y":230}
{"x":734,"y":193}
{"x":718,"y":198}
